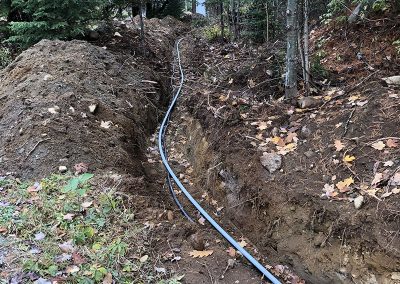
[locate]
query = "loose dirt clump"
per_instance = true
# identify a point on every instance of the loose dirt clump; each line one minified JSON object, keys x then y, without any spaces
{"x":63,"y":103}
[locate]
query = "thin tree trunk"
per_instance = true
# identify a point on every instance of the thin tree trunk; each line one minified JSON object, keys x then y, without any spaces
{"x":237,"y":19}
{"x":221,"y":6}
{"x":306,"y":55}
{"x":233,"y":18}
{"x":267,"y":14}
{"x":194,"y":6}
{"x":142,"y":12}
{"x":301,"y":53}
{"x":291,"y":78}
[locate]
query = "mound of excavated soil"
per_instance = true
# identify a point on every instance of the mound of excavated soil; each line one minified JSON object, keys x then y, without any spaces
{"x":47,"y":93}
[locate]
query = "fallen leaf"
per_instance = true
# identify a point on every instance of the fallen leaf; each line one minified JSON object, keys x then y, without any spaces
{"x":53,"y":110}
{"x":388,"y":164}
{"x":344,"y":184}
{"x":378,"y":145}
{"x":262,"y":125}
{"x":202,"y":221}
{"x":92,"y":108}
{"x":278,"y":141}
{"x":67,"y":246}
{"x":391,"y":143}
{"x":108,"y":279}
{"x":290,"y":137}
{"x":377,"y":179}
{"x":68,"y":216}
{"x":338,"y":145}
{"x":354,"y":98}
{"x":81,"y":168}
{"x":231,"y":251}
{"x":78,"y":259}
{"x":348,"y":158}
{"x":395,"y":180}
{"x":396,"y":190}
{"x":144,"y":258}
{"x":386,"y":194}
{"x":105,"y":124}
{"x":39,"y":236}
{"x":3,"y":230}
{"x":62,"y":258}
{"x":34,"y":188}
{"x":72,"y":269}
{"x":363,"y":103}
{"x":200,"y":253}
{"x":160,"y":270}
{"x":86,"y":204}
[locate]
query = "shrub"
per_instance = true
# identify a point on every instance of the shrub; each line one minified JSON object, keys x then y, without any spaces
{"x":5,"y":57}
{"x":51,"y":19}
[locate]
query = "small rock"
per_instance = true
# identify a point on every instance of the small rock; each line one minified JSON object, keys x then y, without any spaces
{"x":271,"y":161}
{"x":395,"y":275}
{"x":305,"y":132}
{"x":197,"y":242}
{"x":309,"y":154}
{"x":358,"y":201}
{"x":62,"y":169}
{"x":319,"y":239}
{"x":170,"y":215}
{"x":54,"y":110}
{"x":117,"y":34}
{"x":308,"y":102}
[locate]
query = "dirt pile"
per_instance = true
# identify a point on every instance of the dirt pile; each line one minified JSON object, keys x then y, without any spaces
{"x":63,"y":103}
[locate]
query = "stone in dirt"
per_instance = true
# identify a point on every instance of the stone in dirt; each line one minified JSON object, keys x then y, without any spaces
{"x":271,"y":161}
{"x":358,"y":202}
{"x":393,"y":80}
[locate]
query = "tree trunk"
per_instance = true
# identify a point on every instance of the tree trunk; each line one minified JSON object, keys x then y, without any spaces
{"x":291,"y":78}
{"x":237,"y":19}
{"x":233,"y":18}
{"x":142,"y":14}
{"x":221,"y":7}
{"x":306,"y":55}
{"x":267,"y":15}
{"x":194,"y":5}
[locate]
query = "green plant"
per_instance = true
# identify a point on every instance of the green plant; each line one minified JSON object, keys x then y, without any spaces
{"x":5,"y":57}
{"x":52,"y":19}
{"x":380,"y":6}
{"x":212,"y":32}
{"x":396,"y":44}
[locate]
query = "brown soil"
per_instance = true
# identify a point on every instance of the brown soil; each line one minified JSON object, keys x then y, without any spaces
{"x":285,"y":215}
{"x":45,"y":122}
{"x":71,"y":76}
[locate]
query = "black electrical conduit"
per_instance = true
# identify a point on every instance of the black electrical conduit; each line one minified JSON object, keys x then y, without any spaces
{"x":171,"y":174}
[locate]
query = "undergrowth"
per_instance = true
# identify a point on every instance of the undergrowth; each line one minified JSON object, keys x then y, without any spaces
{"x":68,"y":228}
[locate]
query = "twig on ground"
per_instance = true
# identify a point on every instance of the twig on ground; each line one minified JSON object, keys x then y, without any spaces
{"x":34,"y":147}
{"x":346,"y":126}
{"x":384,"y":138}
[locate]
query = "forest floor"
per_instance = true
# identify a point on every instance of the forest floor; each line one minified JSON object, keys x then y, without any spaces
{"x":312,"y":190}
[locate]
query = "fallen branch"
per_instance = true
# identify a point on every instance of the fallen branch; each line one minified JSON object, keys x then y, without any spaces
{"x":346,"y":126}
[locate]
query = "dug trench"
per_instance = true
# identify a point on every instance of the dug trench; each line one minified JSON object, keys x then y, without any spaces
{"x":77,"y":107}
{"x":284,"y":215}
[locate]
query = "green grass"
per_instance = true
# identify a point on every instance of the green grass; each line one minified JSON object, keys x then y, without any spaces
{"x":103,"y":232}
